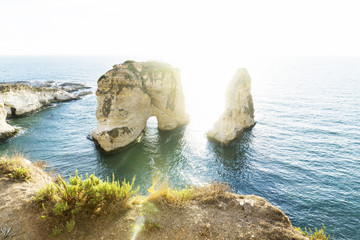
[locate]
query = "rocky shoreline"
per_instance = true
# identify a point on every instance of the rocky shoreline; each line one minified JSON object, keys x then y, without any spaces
{"x":18,"y":99}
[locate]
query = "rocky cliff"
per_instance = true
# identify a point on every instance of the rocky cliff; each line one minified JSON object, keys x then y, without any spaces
{"x":19,"y":99}
{"x":6,"y":130}
{"x":239,"y":109}
{"x":132,"y":92}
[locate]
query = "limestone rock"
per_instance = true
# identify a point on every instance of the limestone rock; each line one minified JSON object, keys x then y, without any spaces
{"x":132,"y":92}
{"x":22,"y":99}
{"x":239,"y":109}
{"x":6,"y":130}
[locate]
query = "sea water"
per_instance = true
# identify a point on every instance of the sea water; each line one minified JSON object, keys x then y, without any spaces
{"x":302,"y":155}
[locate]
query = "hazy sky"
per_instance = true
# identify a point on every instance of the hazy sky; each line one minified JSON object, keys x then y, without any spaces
{"x":180,"y":29}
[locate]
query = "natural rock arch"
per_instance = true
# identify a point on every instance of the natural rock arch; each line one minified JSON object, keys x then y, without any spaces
{"x":132,"y":92}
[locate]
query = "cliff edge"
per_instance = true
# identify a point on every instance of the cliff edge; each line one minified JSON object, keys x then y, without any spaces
{"x":208,"y":212}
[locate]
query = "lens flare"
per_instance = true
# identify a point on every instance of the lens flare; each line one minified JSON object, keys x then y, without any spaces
{"x":138,"y":226}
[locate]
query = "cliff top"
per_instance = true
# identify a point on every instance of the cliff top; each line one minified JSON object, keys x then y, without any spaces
{"x":211,"y":213}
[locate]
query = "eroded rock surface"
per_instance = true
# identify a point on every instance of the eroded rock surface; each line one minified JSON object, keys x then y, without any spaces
{"x":21,"y":98}
{"x":239,"y":110}
{"x":6,"y":130}
{"x":132,"y":92}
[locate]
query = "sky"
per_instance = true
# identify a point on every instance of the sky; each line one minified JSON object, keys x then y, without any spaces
{"x":201,"y":30}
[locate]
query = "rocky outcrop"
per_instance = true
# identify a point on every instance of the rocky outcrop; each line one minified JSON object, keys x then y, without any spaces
{"x":239,"y":110}
{"x":6,"y":130}
{"x":20,"y":99}
{"x":132,"y":92}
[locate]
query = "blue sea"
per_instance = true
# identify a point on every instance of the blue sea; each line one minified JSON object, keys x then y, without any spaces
{"x":303,"y":155}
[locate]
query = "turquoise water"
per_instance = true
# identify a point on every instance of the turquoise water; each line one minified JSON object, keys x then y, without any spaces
{"x":303,"y":154}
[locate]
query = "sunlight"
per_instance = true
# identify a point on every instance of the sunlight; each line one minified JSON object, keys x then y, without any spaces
{"x":138,"y":226}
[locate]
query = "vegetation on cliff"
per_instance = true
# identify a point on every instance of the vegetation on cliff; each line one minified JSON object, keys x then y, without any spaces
{"x":14,"y":167}
{"x":89,"y":208}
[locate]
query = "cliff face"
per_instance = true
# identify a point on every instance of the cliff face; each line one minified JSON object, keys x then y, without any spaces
{"x":21,"y":99}
{"x":132,"y":92}
{"x":239,"y":110}
{"x":6,"y":130}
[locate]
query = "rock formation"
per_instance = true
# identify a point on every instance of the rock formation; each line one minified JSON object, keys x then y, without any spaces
{"x":132,"y":92}
{"x":21,"y":98}
{"x":6,"y":130}
{"x":239,"y":109}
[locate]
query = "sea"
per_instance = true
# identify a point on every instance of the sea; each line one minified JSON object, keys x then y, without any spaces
{"x":303,"y":154}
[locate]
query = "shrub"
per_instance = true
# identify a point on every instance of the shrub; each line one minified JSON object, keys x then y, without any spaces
{"x":90,"y":195}
{"x":15,"y":167}
{"x":20,"y":173}
{"x":316,"y":235}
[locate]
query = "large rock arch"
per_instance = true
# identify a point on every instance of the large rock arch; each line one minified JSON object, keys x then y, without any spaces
{"x":129,"y":94}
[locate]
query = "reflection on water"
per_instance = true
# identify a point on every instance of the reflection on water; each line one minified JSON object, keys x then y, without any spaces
{"x":157,"y":151}
{"x":235,"y":156}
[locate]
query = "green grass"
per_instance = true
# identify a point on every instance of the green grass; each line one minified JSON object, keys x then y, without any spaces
{"x":316,"y":235}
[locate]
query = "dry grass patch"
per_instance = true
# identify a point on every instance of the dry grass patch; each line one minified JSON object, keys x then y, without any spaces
{"x":165,"y":195}
{"x":213,"y":192}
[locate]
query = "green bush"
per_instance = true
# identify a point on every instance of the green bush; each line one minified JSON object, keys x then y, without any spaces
{"x":20,"y":173}
{"x":15,"y":167}
{"x":316,"y":235}
{"x":65,"y":200}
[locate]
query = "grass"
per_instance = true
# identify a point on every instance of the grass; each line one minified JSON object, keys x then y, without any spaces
{"x":316,"y":235}
{"x":163,"y":194}
{"x":15,"y":167}
{"x":63,"y":202}
{"x":166,"y":195}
